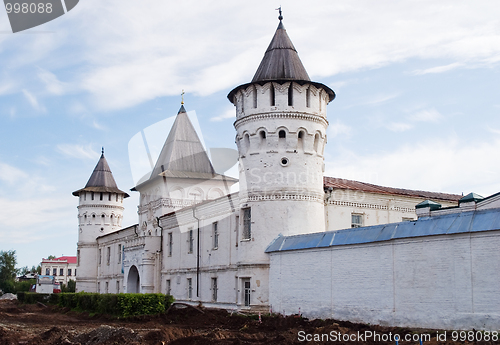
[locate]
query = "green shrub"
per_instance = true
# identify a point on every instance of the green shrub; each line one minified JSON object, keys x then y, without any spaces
{"x":121,"y":305}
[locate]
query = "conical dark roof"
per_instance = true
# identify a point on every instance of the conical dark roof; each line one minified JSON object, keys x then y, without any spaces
{"x":183,"y":151}
{"x":101,"y":180}
{"x":281,"y":63}
{"x":281,"y":60}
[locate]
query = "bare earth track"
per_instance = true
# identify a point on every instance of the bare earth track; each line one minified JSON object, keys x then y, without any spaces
{"x":49,"y":325}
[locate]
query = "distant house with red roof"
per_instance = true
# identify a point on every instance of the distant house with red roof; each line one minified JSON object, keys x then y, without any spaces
{"x":62,"y":268}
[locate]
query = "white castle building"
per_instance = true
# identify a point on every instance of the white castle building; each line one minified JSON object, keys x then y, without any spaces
{"x":278,"y":241}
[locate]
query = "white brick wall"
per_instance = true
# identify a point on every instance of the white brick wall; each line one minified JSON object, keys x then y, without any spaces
{"x":418,"y":282}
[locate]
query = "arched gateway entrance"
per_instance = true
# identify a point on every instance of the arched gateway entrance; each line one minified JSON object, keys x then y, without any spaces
{"x":133,"y":281}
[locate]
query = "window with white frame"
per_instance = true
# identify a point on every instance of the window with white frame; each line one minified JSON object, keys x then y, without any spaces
{"x":170,"y":243}
{"x":54,"y":271}
{"x":119,"y":253}
{"x":168,"y":287}
{"x":190,"y":288}
{"x":190,"y":241}
{"x":356,"y":220}
{"x":108,"y":255}
{"x":247,"y":224}
{"x":214,"y":289}
{"x":61,"y":271}
{"x":215,"y":235}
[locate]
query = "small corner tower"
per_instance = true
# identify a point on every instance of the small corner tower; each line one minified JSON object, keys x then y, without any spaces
{"x":100,"y":211}
{"x":281,"y":127}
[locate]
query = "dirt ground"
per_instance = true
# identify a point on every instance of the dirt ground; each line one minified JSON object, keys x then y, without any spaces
{"x":47,"y":325}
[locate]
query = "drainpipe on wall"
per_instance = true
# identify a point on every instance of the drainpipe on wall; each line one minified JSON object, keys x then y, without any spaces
{"x":197,"y":254}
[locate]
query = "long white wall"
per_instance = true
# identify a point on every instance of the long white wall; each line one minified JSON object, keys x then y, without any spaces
{"x":448,"y":281}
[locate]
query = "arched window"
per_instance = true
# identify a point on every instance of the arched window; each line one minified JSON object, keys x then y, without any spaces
{"x":246,"y":143}
{"x":263,"y":136}
{"x":282,"y":139}
{"x":316,"y":142}
{"x":300,"y":141}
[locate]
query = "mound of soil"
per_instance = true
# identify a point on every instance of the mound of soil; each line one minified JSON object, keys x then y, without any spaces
{"x":39,"y":324}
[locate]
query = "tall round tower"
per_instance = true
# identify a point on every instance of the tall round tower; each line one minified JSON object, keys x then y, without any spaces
{"x":281,"y":133}
{"x":100,"y":211}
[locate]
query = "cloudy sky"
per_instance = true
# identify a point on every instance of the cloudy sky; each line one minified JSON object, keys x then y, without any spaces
{"x":417,"y":83}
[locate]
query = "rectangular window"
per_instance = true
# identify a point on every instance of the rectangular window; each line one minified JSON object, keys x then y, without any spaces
{"x":75,"y":272}
{"x":117,"y":286}
{"x":54,"y":271}
{"x":92,"y":195}
{"x":214,"y":289}
{"x":108,"y":255}
{"x":356,"y":220}
{"x":99,"y":287}
{"x":61,"y":271}
{"x":119,"y":253}
{"x":170,"y":243}
{"x":107,"y":287}
{"x":47,"y":271}
{"x":247,"y":223}
{"x":246,"y":292}
{"x":69,"y":272}
{"x":190,"y":288}
{"x":190,"y":241}
{"x":237,"y":229}
{"x":100,"y":196}
{"x":215,"y":234}
{"x":168,"y":287}
{"x":100,"y":254}
{"x":78,"y":257}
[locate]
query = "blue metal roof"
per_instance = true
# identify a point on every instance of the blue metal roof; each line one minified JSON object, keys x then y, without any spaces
{"x":460,"y":222}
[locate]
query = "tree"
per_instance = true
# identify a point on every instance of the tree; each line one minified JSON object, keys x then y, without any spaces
{"x":8,"y":270}
{"x":51,"y":257}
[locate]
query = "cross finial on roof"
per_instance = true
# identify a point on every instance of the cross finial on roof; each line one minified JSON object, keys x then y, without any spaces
{"x":182,"y":95}
{"x":280,"y":16}
{"x":102,"y":151}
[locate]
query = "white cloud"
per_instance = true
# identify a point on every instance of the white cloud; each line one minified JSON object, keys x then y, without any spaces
{"x":438,"y":69}
{"x":399,"y":126}
{"x":53,"y":85}
{"x":158,"y":54}
{"x":445,"y":165}
{"x":338,"y":128}
{"x":33,"y":101}
{"x":229,"y":113}
{"x":98,"y":126}
{"x":428,"y":115}
{"x":11,"y":174}
{"x":379,"y":99}
{"x":31,"y":215}
{"x":78,"y":151}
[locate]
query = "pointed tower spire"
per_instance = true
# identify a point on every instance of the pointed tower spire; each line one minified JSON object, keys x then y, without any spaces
{"x":182,"y":151}
{"x":281,"y":60}
{"x":101,"y":180}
